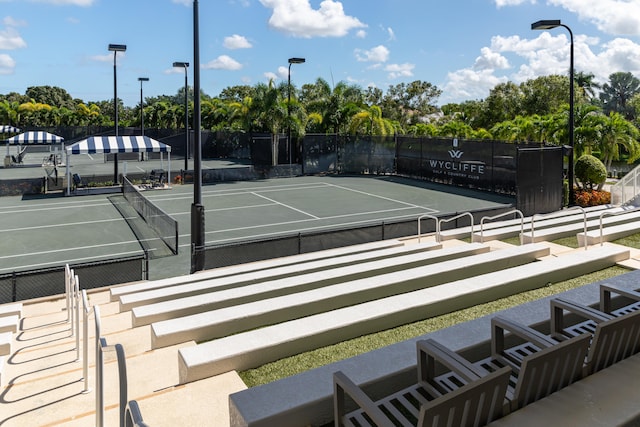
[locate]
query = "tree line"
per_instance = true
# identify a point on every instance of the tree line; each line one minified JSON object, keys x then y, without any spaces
{"x":607,"y":117}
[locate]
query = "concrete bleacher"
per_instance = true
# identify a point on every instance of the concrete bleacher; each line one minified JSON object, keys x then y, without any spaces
{"x":571,"y":229}
{"x":216,"y":323}
{"x":216,"y":299}
{"x":503,"y":229}
{"x":117,"y":292}
{"x":608,"y":233}
{"x":255,"y":347}
{"x":131,"y":300}
{"x":393,"y":367}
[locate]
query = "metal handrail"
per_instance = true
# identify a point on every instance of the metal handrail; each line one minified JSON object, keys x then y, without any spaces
{"x":491,"y":218}
{"x":439,"y":223}
{"x":67,"y":291}
{"x":435,"y":218}
{"x":602,"y":226}
{"x":133,"y":416}
{"x":619,"y":188}
{"x":584,"y":213}
{"x":85,"y":338}
{"x":76,"y":302}
{"x":101,"y":347}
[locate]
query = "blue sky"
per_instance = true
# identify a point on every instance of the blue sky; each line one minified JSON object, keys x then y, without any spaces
{"x":465,"y":47}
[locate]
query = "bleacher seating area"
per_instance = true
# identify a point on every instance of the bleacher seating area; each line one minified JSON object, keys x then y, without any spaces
{"x":186,"y":337}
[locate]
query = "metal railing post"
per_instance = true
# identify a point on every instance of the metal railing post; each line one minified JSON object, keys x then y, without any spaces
{"x":76,"y":300}
{"x":435,"y":218}
{"x":439,"y":224}
{"x":85,"y":348}
{"x":99,"y":370}
{"x":491,"y":218}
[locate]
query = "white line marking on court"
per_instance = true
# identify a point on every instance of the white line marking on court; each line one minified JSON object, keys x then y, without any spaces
{"x":70,"y":249}
{"x":286,"y":206}
{"x":66,"y":224}
{"x":71,"y":260}
{"x":377,"y":196}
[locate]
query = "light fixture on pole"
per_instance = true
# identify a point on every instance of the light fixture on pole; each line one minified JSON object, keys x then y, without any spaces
{"x":185,"y":65}
{"x":550,"y":24}
{"x":291,"y":62}
{"x":115,"y":48}
{"x":197,"y":209}
{"x":142,"y":79}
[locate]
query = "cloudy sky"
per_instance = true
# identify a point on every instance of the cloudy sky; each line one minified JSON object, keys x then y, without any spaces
{"x":465,"y":47}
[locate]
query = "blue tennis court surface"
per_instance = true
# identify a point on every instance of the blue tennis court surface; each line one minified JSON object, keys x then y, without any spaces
{"x":42,"y":231}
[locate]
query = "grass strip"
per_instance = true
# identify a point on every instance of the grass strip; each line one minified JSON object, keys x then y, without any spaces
{"x":322,"y":356}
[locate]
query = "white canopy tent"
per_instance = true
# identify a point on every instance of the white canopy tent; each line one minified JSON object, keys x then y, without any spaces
{"x":33,"y":137}
{"x":116,"y":144}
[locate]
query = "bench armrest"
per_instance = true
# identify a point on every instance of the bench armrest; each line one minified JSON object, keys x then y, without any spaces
{"x":559,"y":305}
{"x":342,"y":386}
{"x":431,"y":352}
{"x":606,"y":291}
{"x":500,"y":324}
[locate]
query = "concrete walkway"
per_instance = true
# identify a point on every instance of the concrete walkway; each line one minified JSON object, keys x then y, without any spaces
{"x":42,"y":380}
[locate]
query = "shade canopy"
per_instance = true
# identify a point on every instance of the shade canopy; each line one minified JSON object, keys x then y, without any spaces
{"x":118,"y":144}
{"x":35,"y":137}
{"x":9,"y":129}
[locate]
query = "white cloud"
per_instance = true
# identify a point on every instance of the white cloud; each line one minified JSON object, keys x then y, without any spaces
{"x":619,"y":17}
{"x":490,"y":60}
{"x":377,"y":54}
{"x":9,"y":21}
{"x":361,"y":34}
{"x":223,"y":62}
{"x":183,"y":2}
{"x":283,"y":72}
{"x":392,"y":35}
{"x":501,"y":3}
{"x":400,"y":70}
{"x":271,"y":76}
{"x":469,"y":84}
{"x":236,"y":42}
{"x":108,"y":57}
{"x":10,"y":39}
{"x":7,"y":64}
{"x":298,"y":18}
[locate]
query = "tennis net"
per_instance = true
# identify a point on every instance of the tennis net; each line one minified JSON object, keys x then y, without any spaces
{"x":161,"y":222}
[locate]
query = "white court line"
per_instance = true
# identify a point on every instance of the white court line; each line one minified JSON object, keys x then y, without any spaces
{"x":379,"y":197}
{"x":69,"y":261}
{"x":35,"y":208}
{"x":68,"y":249}
{"x":286,"y":206}
{"x":66,"y":224}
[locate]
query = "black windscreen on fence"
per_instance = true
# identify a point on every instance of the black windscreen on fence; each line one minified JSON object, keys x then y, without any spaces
{"x":23,"y":285}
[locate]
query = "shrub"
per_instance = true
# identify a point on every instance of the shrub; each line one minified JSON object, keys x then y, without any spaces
{"x":590,"y":171}
{"x":587,"y":198}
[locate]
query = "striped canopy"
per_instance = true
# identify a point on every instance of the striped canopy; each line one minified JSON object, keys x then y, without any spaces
{"x":35,"y":137}
{"x":118,"y":144}
{"x":8,"y":129}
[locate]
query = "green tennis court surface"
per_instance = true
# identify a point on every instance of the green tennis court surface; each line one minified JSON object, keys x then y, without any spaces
{"x":43,"y":231}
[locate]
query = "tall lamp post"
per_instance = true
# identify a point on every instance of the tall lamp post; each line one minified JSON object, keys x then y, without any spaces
{"x":142,"y":79}
{"x":115,"y":48}
{"x":291,"y":62}
{"x":185,"y":65}
{"x":549,"y":24}
{"x":197,"y":209}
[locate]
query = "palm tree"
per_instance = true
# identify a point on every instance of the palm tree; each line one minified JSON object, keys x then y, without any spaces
{"x":369,"y":121}
{"x":270,"y":110}
{"x":586,"y":83}
{"x":618,"y":92}
{"x":617,"y":133}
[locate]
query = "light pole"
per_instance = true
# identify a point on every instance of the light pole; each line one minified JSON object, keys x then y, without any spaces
{"x":549,"y":24}
{"x":142,"y":79}
{"x":185,"y":65}
{"x":197,"y":209}
{"x":115,"y":48}
{"x":291,"y":62}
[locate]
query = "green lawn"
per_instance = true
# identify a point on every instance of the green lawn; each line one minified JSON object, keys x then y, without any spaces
{"x":325,"y":355}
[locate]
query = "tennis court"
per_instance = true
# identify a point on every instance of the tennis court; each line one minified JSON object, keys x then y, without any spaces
{"x":46,"y":231}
